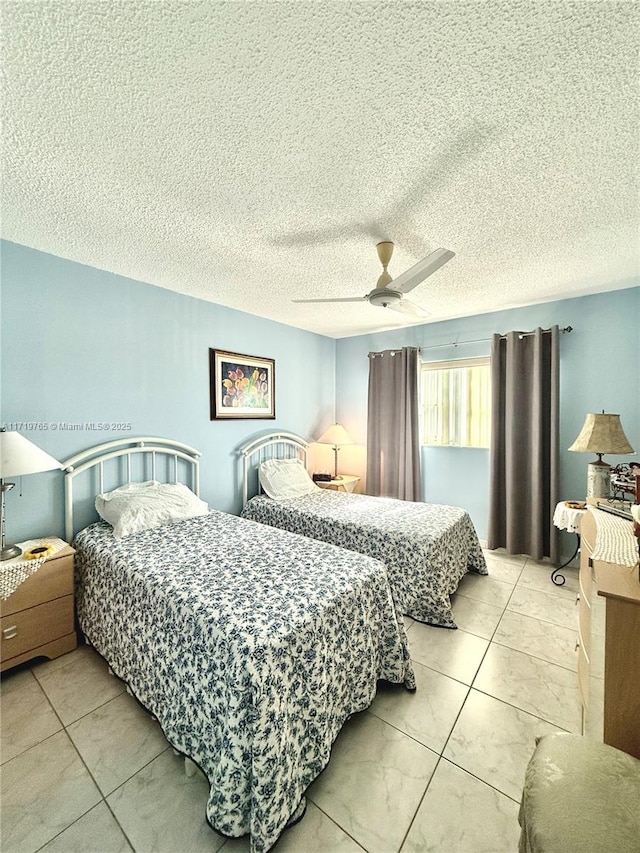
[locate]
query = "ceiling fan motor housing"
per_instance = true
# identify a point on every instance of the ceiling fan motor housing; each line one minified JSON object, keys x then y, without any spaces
{"x":384,"y":297}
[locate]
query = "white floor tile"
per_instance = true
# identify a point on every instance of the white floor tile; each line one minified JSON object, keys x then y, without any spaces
{"x":537,"y":575}
{"x":80,"y":685}
{"x":14,"y":679}
{"x":499,"y":554}
{"x":547,"y":606}
{"x":43,"y":791}
{"x":162,"y":810}
{"x":116,"y":740}
{"x":27,"y":718}
{"x":502,"y":569}
{"x":543,"y":689}
{"x":494,"y":741}
{"x":95,"y":832}
{"x":428,"y":714}
{"x":475,"y":616}
{"x":451,"y":652}
{"x":539,"y":639}
{"x":461,"y":814}
{"x":374,"y":782}
{"x":84,"y":650}
{"x":485,"y":588}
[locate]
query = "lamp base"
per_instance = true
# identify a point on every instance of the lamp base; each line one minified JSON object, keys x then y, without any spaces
{"x":7,"y":552}
{"x":10,"y":552}
{"x":598,"y":480}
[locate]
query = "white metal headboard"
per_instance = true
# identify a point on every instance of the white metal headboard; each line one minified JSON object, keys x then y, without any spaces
{"x":127,"y":447}
{"x":273,"y":445}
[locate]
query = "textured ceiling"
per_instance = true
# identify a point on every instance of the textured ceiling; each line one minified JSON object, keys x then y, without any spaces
{"x":249,"y":153}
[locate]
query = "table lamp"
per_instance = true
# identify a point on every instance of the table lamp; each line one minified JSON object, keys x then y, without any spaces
{"x":601,"y":433}
{"x":18,"y":456}
{"x":337,"y":436}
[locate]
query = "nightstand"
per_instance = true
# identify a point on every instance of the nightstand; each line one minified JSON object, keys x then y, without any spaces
{"x":568,"y":516}
{"x":346,"y":483}
{"x":37,"y":620}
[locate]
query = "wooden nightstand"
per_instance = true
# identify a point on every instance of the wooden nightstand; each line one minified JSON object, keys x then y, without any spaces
{"x":347,"y":483}
{"x":38,"y":618}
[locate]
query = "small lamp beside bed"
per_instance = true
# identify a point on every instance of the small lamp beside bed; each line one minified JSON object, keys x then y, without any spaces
{"x":18,"y":456}
{"x":337,"y":436}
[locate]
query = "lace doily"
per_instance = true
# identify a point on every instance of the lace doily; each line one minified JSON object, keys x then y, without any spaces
{"x":615,"y":542}
{"x":15,"y":572}
{"x":568,"y":518}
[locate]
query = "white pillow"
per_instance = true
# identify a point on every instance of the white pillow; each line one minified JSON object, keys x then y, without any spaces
{"x":143,"y":506}
{"x":285,"y":478}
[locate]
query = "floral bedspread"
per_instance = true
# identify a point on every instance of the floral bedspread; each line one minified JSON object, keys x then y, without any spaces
{"x":427,"y":548}
{"x":250,"y":645}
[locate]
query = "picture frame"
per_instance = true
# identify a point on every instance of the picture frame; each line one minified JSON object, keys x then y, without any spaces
{"x":241,"y":386}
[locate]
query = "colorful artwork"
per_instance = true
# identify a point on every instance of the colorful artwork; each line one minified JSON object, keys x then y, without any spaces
{"x":242,"y":386}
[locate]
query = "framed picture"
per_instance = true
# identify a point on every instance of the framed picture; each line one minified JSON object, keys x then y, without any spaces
{"x":242,"y":386}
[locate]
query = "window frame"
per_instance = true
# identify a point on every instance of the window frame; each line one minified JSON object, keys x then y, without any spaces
{"x":485,"y":403}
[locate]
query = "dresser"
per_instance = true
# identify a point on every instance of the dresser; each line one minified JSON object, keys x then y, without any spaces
{"x":609,"y":632}
{"x":37,"y":620}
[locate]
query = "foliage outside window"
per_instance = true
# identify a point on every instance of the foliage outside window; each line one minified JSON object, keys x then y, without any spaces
{"x":456,"y":399}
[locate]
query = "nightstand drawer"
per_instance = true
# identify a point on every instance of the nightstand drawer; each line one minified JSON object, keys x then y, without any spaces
{"x":53,"y":579}
{"x":37,"y":626}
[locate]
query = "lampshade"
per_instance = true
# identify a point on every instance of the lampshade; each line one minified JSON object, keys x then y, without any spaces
{"x":602,"y":433}
{"x":336,"y":435}
{"x":19,"y":456}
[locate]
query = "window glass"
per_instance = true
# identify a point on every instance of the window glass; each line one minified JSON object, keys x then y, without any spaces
{"x":456,"y":400}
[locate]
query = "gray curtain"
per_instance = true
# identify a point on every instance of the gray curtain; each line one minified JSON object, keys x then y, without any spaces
{"x":524,"y":442}
{"x":393,"y":442}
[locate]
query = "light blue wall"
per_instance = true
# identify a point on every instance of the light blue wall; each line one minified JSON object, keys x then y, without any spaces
{"x":79,"y":344}
{"x":599,"y":369}
{"x":83,"y":345}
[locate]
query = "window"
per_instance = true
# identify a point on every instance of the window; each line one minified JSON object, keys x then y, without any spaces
{"x":456,"y":399}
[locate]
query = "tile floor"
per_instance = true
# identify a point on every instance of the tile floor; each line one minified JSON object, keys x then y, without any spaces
{"x":86,"y":769}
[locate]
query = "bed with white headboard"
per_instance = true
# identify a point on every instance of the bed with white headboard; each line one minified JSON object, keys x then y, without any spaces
{"x":251,"y":646}
{"x":427,"y":548}
{"x":114,"y":462}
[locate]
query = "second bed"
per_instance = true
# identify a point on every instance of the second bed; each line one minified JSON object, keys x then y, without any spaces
{"x":427,"y":548}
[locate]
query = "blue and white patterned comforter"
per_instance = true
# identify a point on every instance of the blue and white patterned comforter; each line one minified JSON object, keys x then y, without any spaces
{"x":251,"y":646}
{"x":427,"y":548}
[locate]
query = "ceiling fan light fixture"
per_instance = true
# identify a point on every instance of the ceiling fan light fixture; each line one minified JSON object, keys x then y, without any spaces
{"x":383,"y":297}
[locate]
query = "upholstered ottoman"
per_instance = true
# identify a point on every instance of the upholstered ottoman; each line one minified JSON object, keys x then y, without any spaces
{"x":580,"y":796}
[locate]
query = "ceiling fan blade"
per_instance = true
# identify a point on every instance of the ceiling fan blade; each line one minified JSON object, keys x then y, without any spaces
{"x":345,"y":299}
{"x":410,"y":308}
{"x":406,"y":281}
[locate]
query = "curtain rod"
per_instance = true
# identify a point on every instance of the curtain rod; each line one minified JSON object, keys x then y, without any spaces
{"x":566,"y":329}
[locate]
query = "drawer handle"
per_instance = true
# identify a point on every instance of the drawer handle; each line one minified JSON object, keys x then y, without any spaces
{"x":577,"y":598}
{"x":10,"y":632}
{"x":577,"y":645}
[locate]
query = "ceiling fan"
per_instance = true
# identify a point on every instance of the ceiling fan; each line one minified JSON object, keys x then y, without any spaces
{"x":388,"y":292}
